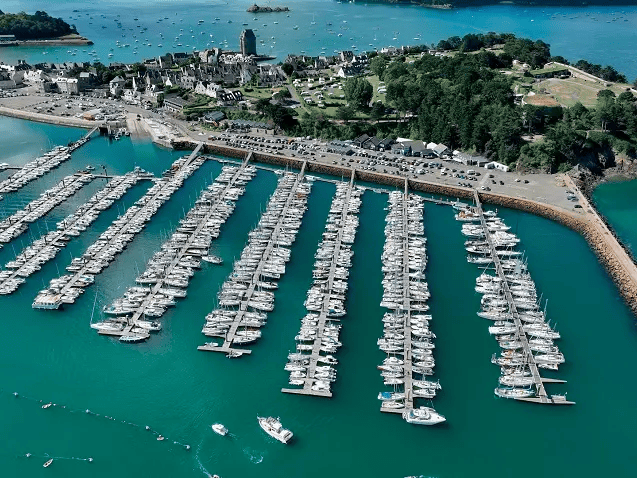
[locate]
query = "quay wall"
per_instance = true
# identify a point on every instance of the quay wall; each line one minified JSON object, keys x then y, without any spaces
{"x":599,"y":241}
{"x":51,"y":119}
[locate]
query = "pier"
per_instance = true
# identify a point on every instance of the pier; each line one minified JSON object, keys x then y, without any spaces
{"x":252,"y":282}
{"x":113,"y":241}
{"x":406,"y":340}
{"x":189,"y":251}
{"x":538,"y":381}
{"x":16,"y":224}
{"x":42,"y":165}
{"x":325,"y":314}
{"x":46,"y":248}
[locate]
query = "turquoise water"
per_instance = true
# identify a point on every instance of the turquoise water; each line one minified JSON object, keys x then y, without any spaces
{"x":617,"y":201}
{"x":177,"y":391}
{"x":605,"y":35}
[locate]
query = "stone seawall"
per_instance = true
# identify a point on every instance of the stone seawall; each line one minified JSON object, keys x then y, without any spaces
{"x":596,"y":238}
{"x":50,"y":119}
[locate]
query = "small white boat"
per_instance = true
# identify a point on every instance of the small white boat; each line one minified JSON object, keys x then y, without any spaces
{"x":272,"y":426}
{"x":212,"y":259}
{"x":48,"y":463}
{"x":219,"y":429}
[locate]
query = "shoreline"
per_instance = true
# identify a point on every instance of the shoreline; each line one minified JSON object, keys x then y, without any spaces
{"x":76,"y":41}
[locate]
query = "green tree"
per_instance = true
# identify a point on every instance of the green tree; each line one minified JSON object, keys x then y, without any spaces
{"x":378,"y":111}
{"x":605,"y":109}
{"x":345,"y":113}
{"x":287,"y":68}
{"x":358,"y":92}
{"x":378,"y":65}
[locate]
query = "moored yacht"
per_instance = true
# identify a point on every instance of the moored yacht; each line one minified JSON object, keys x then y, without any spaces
{"x":423,"y":416}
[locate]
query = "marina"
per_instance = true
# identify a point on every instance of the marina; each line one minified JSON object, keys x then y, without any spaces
{"x":46,"y":248}
{"x":462,"y":351}
{"x":312,"y":366}
{"x":65,"y":289}
{"x":510,"y":301}
{"x":169,"y":270}
{"x":407,"y":340}
{"x":246,"y":297}
{"x":41,"y":165}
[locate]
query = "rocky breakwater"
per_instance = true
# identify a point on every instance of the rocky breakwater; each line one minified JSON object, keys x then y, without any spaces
{"x":257,"y":9}
{"x":608,"y":250}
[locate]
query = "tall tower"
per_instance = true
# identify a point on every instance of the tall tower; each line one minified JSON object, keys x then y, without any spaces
{"x":248,"y":43}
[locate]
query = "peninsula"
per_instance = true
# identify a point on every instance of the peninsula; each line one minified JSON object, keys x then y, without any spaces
{"x":257,"y":9}
{"x":37,"y":29}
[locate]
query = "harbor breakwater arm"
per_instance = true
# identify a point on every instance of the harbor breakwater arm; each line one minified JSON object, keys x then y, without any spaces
{"x":587,"y":222}
{"x":50,"y":119}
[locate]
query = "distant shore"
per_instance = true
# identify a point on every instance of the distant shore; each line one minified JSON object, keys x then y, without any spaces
{"x":60,"y":41}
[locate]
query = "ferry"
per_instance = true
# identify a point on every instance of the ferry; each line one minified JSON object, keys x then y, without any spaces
{"x":272,"y":426}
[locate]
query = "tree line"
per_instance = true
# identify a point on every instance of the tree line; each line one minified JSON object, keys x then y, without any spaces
{"x":33,"y":27}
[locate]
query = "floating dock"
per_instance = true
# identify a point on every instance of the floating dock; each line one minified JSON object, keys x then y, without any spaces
{"x":246,"y":297}
{"x":313,"y":358}
{"x":42,"y":250}
{"x":14,"y":225}
{"x":538,"y":381}
{"x":42,"y":165}
{"x":112,"y":241}
{"x":185,"y":248}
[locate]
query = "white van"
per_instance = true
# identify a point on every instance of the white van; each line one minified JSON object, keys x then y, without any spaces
{"x":471,"y":172}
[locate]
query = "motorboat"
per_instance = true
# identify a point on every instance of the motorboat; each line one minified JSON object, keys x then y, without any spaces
{"x":423,"y":416}
{"x":272,"y":426}
{"x":219,"y":429}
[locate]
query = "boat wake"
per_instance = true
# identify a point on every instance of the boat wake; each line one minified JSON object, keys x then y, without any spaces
{"x":201,"y":467}
{"x":254,"y":456}
{"x":46,"y":405}
{"x":46,"y":456}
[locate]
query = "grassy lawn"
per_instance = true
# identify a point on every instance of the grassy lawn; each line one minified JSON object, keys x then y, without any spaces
{"x":375,"y":82}
{"x":571,"y":90}
{"x":258,"y":93}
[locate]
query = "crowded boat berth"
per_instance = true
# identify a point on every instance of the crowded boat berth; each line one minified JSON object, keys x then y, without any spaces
{"x":313,"y":365}
{"x":169,"y":270}
{"x":510,"y":301}
{"x":247,"y":295}
{"x":41,"y":165}
{"x":407,"y":340}
{"x":16,"y":224}
{"x":42,"y":250}
{"x":83,"y":269}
